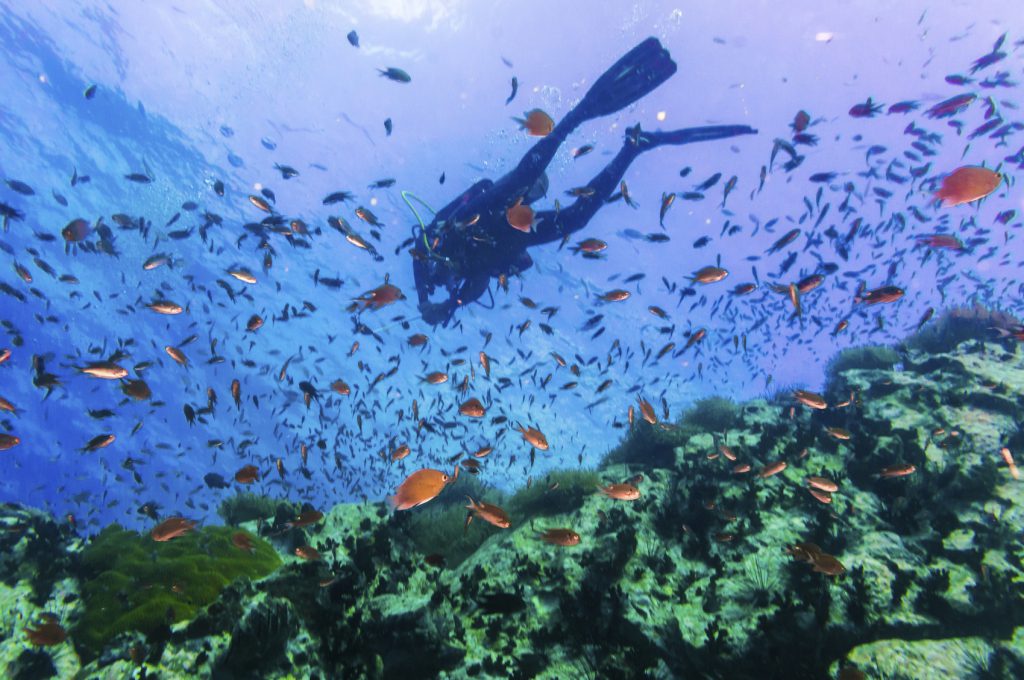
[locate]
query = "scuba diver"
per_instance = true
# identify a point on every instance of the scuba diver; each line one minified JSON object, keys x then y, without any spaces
{"x":475,"y":237}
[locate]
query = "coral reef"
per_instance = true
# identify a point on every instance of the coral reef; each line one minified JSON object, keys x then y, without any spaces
{"x":960,"y":324}
{"x":692,"y":579}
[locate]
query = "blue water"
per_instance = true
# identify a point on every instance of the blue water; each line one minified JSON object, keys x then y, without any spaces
{"x":194,"y":93}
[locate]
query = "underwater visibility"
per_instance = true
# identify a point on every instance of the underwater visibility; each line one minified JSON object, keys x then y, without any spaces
{"x":451,"y":339}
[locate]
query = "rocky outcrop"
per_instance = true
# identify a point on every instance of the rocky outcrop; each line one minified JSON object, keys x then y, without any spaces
{"x":690,"y":580}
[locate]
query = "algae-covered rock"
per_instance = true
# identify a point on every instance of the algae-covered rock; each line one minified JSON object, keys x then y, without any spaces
{"x":702,"y":576}
{"x":36,"y":556}
{"x":133,"y":583}
{"x":964,"y":658}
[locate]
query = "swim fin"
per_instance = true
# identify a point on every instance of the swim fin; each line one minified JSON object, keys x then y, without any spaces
{"x":649,"y":140}
{"x":640,"y":71}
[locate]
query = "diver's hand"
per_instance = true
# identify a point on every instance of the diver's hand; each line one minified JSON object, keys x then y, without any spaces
{"x":435,"y":313}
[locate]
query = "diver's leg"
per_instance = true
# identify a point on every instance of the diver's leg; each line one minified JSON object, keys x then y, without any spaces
{"x":637,"y":73}
{"x":552,"y":226}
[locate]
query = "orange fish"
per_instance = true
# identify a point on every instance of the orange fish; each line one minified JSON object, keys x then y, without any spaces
{"x":773,"y":469}
{"x":647,"y":411}
{"x":810,"y":399}
{"x":727,"y":452}
{"x":621,"y":492}
{"x":418,"y":488}
{"x":308,"y":553}
{"x":176,"y":354}
{"x":967,"y":184}
{"x":306,"y":518}
{"x":828,"y":565}
{"x":172,"y":527}
{"x":1008,"y":458}
{"x":48,"y":633}
{"x":820,"y":496}
{"x":8,"y":441}
{"x":491,"y":514}
{"x":5,"y":354}
{"x":562,"y":537}
{"x":380,"y":296}
{"x":417,"y":340}
{"x":536,"y":123}
{"x":710,"y":274}
{"x":472,"y":408}
{"x":617,"y":295}
{"x":242,"y":541}
{"x":482,"y":452}
{"x":341,"y":387}
{"x":485,"y":363}
{"x":741,"y":469}
{"x":400,"y":452}
{"x":901,"y":470}
{"x":166,"y":307}
{"x":436,"y":378}
{"x":590,"y":245}
{"x":520,"y":217}
{"x":247,"y":474}
{"x":839,"y":433}
{"x":823,"y":484}
{"x":534,"y":437}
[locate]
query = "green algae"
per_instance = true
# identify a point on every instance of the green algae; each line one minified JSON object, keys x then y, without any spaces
{"x":876,"y":357}
{"x":561,"y":491}
{"x":131,"y":582}
{"x":246,"y":507}
{"x":713,"y":414}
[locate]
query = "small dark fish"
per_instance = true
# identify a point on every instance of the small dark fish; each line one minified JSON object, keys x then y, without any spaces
{"x":287,"y":171}
{"x":865,"y":109}
{"x":515,"y":88}
{"x":957,"y":79}
{"x":139,"y":178}
{"x":582,"y":150}
{"x":388,"y":126}
{"x":353,"y":38}
{"x":383,"y":183}
{"x":216,"y":481}
{"x":800,"y":121}
{"x":952,"y":106}
{"x":395,"y":74}
{"x":903,"y":107}
{"x":90,"y":92}
{"x":709,"y":182}
{"x":337,"y":197}
{"x":20,"y":187}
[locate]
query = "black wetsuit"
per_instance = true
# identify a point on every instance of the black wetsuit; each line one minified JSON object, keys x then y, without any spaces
{"x":470,"y":240}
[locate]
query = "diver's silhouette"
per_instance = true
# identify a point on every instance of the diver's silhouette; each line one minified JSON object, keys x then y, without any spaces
{"x":470,"y":240}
